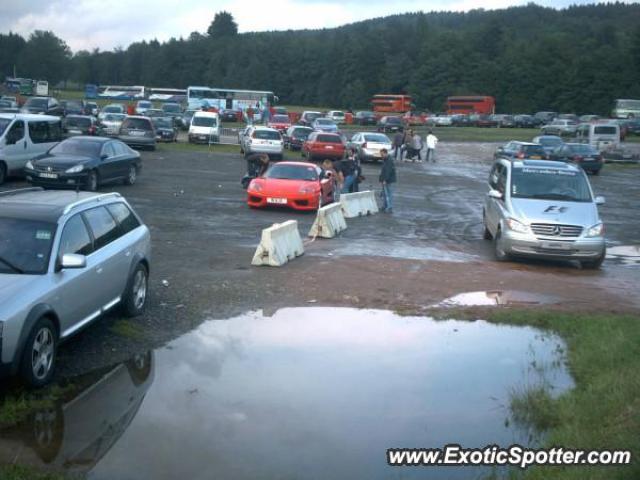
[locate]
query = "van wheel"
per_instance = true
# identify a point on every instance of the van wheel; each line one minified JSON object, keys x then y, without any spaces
{"x":500,"y":254}
{"x":594,"y":264}
{"x":3,"y":173}
{"x":39,"y":356}
{"x":92,"y":181}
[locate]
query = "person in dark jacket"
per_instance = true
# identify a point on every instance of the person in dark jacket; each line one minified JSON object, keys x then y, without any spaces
{"x":387,"y":179}
{"x":257,"y":165}
{"x":398,"y":142}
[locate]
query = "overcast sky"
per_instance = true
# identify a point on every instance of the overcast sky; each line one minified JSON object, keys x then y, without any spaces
{"x":88,"y":24}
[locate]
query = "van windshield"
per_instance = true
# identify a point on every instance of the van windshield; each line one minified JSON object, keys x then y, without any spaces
{"x":4,"y":123}
{"x":549,"y":184}
{"x":204,"y":121}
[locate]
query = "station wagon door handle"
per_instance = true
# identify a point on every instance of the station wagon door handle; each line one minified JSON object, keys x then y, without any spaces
{"x":127,"y":253}
{"x":99,"y":270}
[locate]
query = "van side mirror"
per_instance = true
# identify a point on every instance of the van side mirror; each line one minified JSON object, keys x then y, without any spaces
{"x":495,"y":194}
{"x":600,"y":200}
{"x":72,"y":260}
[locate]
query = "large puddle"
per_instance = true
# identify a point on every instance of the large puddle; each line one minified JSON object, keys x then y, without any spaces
{"x":308,"y":393}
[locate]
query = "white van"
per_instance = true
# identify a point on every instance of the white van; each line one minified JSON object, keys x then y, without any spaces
{"x":204,"y":128}
{"x":602,"y":136}
{"x":24,"y":137}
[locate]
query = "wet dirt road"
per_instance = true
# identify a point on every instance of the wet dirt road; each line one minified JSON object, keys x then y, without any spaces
{"x":430,"y":249}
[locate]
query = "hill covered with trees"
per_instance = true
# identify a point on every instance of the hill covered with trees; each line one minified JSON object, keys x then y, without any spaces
{"x":530,"y":58}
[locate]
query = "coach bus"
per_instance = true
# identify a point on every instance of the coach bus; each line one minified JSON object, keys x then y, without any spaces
{"x":228,"y":99}
{"x":167,"y":94}
{"x":117,"y":92}
{"x":471,"y":104}
{"x":626,"y":108}
{"x":391,"y":103}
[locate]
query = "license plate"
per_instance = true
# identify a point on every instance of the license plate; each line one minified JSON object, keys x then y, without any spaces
{"x":136,"y":134}
{"x":48,"y":175}
{"x":535,"y":157}
{"x":556,"y":245}
{"x":328,"y":147}
{"x":279,"y":201}
{"x":75,"y":131}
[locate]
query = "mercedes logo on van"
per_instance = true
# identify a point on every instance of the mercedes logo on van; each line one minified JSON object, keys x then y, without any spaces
{"x":556,"y":230}
{"x":48,"y":169}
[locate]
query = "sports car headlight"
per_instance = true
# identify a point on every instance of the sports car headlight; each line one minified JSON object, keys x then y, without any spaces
{"x":29,"y":165}
{"x":255,"y":186}
{"x":307,"y":189}
{"x":517,"y":226}
{"x":596,"y":231}
{"x":76,"y":169}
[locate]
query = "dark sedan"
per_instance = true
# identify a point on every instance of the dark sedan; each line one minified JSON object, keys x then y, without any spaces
{"x":166,"y":131}
{"x":486,"y":121}
{"x":524,"y":121}
{"x":390,"y":124}
{"x":74,"y":125}
{"x":43,"y":106}
{"x":85,"y":162}
{"x":295,"y":137}
{"x":230,"y":115}
{"x":365,"y":118}
{"x":581,"y":154}
{"x":75,"y":107}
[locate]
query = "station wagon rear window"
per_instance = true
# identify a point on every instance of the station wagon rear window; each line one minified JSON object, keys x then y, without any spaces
{"x":266,"y":135}
{"x":329,"y":139}
{"x":137,"y":123}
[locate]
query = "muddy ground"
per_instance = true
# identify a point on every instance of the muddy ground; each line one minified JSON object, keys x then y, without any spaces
{"x":430,"y":249}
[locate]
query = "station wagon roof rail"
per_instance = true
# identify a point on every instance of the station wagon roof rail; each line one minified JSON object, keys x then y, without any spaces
{"x":96,"y":199}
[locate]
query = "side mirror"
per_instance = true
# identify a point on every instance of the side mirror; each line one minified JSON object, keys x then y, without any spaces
{"x":600,"y":200}
{"x":495,"y":194}
{"x":72,"y":260}
{"x":104,"y":156}
{"x":500,"y":149}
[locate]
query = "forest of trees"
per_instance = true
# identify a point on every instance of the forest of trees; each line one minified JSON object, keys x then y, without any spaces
{"x":530,"y":58}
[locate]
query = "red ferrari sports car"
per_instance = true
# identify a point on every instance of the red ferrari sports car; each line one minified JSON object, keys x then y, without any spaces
{"x":298,"y":185}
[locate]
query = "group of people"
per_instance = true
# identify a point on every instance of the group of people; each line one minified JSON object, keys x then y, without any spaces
{"x":346,"y":172}
{"x":408,"y":146}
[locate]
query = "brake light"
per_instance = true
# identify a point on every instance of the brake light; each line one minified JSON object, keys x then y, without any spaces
{"x":92,"y":130}
{"x":364,"y":145}
{"x":577,"y":158}
{"x":520,"y":155}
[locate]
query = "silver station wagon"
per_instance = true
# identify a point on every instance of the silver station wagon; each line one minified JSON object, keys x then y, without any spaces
{"x":65,"y":259}
{"x":544,"y":209}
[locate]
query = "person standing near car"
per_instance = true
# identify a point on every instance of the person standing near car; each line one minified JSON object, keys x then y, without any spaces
{"x":398,"y":141}
{"x":432,"y":142}
{"x":387,"y":179}
{"x":416,"y":144}
{"x":347,"y":171}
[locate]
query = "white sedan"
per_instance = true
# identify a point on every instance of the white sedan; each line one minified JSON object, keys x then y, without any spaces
{"x":369,"y":144}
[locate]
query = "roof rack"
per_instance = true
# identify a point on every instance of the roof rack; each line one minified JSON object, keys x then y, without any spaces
{"x":97,"y":198}
{"x":20,"y":190}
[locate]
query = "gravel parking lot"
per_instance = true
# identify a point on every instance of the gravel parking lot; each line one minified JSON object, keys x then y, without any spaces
{"x":430,"y":249}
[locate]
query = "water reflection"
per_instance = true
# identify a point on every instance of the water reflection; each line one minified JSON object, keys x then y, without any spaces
{"x":319,"y":393}
{"x":496,"y":297}
{"x":79,"y":428}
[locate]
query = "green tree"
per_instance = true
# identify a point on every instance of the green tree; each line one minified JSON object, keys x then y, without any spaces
{"x":45,"y":57}
{"x":223,"y":25}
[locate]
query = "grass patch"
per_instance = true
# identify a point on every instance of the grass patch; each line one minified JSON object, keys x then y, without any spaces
{"x":603,"y":410}
{"x":126,"y":329}
{"x":17,"y":472}
{"x":534,"y":408}
{"x":18,"y":405}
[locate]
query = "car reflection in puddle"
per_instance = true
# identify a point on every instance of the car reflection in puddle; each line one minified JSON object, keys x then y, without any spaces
{"x":319,"y":393}
{"x":77,"y":430}
{"x":496,"y":297}
{"x":628,"y":255}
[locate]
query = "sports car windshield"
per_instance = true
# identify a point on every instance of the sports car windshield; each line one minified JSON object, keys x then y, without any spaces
{"x":25,"y":245}
{"x":292,"y":172}
{"x":549,"y":184}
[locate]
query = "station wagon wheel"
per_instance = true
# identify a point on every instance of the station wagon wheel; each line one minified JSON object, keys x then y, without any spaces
{"x":132,"y":175}
{"x":39,"y":356}
{"x":135,"y":298}
{"x":3,"y":173}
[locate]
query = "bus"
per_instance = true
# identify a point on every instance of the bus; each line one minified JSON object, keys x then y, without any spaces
{"x":471,"y":104}
{"x":22,"y":86}
{"x":391,"y":103}
{"x":167,"y":95}
{"x":228,"y":99}
{"x":117,"y":92}
{"x":626,"y":108}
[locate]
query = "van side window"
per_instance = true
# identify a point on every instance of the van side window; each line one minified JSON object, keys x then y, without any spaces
{"x":493,"y":176}
{"x":104,"y":227}
{"x":502,"y":180}
{"x":55,"y":131}
{"x":39,"y":132}
{"x":16,"y":132}
{"x":75,"y":238}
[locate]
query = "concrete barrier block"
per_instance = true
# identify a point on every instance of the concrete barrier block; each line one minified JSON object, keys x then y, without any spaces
{"x":358,"y":204}
{"x":329,"y":222}
{"x":279,"y":243}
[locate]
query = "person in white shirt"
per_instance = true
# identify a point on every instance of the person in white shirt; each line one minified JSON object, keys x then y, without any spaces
{"x":432,"y":141}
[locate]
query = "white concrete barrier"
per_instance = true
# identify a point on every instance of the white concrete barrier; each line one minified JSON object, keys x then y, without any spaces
{"x":329,"y":222}
{"x":358,"y":204}
{"x":280,"y":243}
